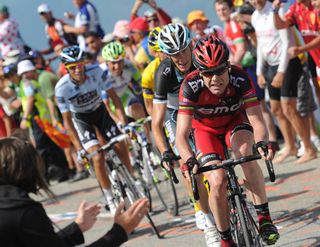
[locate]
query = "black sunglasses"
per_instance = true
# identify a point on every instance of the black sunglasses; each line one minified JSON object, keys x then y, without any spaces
{"x":218,"y":72}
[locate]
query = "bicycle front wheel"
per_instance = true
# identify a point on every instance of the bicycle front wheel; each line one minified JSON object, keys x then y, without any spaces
{"x":165,"y":189}
{"x":243,"y":235}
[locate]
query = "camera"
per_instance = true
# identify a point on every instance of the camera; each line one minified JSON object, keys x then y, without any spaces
{"x":145,"y":1}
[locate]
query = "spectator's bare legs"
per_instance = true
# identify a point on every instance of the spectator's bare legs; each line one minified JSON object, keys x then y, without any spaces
{"x":312,"y":123}
{"x":269,"y":121}
{"x":285,"y":127}
{"x":300,"y":126}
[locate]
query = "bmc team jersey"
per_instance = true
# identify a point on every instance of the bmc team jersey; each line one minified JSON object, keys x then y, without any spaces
{"x":307,"y":20}
{"x":82,"y":98}
{"x":212,"y":113}
{"x":168,"y":82}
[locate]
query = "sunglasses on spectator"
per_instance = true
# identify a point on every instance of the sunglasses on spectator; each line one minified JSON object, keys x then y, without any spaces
{"x":152,"y":20}
{"x":216,"y":71}
{"x":125,"y":39}
{"x":74,"y":66}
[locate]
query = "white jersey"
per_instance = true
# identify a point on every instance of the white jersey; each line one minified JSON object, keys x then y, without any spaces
{"x":273,"y":44}
{"x":82,"y":98}
{"x":121,"y":83}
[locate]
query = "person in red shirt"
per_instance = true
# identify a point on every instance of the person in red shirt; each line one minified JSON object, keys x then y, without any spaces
{"x":303,"y":15}
{"x":219,"y":99}
{"x":234,"y":36}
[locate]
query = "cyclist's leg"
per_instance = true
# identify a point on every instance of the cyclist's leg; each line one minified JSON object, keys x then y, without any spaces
{"x":241,"y":139}
{"x":109,"y":129}
{"x":135,"y":110}
{"x":210,"y":152}
{"x":203,"y":205}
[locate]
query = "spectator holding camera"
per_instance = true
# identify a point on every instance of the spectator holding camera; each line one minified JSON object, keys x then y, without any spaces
{"x":155,"y":16}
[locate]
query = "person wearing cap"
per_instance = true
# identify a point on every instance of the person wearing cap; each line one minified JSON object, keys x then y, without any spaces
{"x":139,"y":32}
{"x":155,"y":16}
{"x":10,"y":38}
{"x":86,"y":20}
{"x":121,"y":33}
{"x":37,"y":100}
{"x":198,"y":25}
{"x":54,"y":30}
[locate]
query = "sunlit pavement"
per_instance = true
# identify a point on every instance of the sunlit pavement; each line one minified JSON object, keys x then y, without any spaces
{"x":294,"y":202}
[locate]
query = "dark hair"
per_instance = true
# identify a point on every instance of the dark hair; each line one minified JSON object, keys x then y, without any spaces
{"x":22,"y":166}
{"x":228,"y":2}
{"x":91,"y":33}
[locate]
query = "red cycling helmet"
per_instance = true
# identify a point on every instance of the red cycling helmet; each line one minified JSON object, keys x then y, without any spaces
{"x":209,"y":52}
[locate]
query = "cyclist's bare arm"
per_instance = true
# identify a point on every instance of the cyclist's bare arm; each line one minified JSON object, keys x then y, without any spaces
{"x":182,"y":136}
{"x":67,"y":120}
{"x":118,"y":105}
{"x":256,"y":120}
{"x":259,"y":128}
{"x":158,"y":116}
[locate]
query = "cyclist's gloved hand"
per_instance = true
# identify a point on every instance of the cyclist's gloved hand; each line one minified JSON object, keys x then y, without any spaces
{"x":80,"y":155}
{"x":167,"y":157}
{"x":265,"y":149}
{"x":193,"y":165}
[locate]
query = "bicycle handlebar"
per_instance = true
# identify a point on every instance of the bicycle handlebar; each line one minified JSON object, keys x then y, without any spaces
{"x":172,"y":172}
{"x":107,"y":146}
{"x":226,"y":164}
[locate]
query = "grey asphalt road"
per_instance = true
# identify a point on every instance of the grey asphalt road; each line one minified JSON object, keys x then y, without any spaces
{"x":294,"y":202}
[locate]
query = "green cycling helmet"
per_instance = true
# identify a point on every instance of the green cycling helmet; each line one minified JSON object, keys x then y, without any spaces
{"x":113,"y":51}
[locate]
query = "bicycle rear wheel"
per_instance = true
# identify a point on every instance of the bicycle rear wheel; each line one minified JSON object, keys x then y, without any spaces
{"x":136,"y":192}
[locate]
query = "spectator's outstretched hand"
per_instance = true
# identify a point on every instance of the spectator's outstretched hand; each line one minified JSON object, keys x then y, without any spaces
{"x":87,"y":215}
{"x":132,"y":217}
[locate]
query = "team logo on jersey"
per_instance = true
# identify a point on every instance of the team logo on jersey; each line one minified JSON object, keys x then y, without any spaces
{"x":218,"y":110}
{"x":166,"y":71}
{"x":195,"y":85}
{"x":236,"y":81}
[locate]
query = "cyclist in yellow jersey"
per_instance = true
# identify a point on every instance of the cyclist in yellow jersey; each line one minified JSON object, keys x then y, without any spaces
{"x":147,"y":80}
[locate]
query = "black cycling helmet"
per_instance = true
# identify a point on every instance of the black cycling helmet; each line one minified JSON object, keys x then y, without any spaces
{"x":72,"y":54}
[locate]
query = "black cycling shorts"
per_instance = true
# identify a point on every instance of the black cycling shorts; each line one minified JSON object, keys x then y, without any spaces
{"x":289,"y":87}
{"x":85,"y":124}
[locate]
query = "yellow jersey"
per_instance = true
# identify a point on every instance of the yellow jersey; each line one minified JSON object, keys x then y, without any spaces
{"x":147,"y":80}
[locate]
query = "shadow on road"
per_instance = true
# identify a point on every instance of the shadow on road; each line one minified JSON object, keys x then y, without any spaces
{"x":281,"y":178}
{"x":48,"y":202}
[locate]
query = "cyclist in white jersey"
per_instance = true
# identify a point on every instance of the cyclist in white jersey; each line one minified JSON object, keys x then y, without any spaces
{"x":125,"y":80}
{"x":79,"y":99}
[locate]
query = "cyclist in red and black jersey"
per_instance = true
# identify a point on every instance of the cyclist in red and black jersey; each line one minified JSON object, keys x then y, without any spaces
{"x":220,"y":100}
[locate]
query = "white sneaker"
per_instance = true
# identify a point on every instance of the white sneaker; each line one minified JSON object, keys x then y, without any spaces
{"x":316,"y":142}
{"x":200,"y":220}
{"x":301,"y":150}
{"x":212,"y":237}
